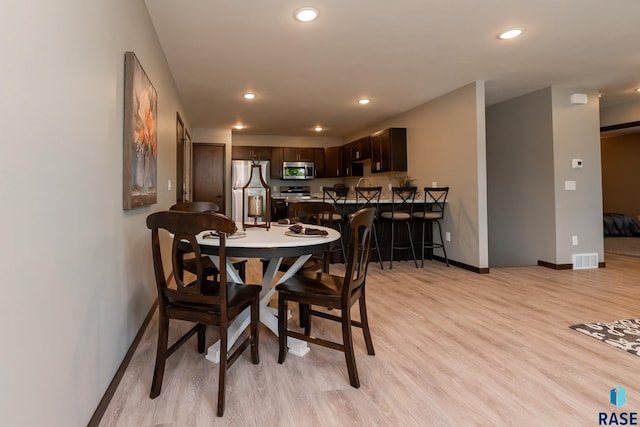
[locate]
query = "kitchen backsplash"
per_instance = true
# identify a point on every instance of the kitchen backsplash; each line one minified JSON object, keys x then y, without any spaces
{"x":380,"y":179}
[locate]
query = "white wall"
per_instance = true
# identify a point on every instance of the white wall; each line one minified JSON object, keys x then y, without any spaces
{"x":621,"y":113}
{"x":77,"y":273}
{"x":521,"y":180}
{"x":446,"y":144}
{"x":531,"y":141}
{"x":576,"y":135}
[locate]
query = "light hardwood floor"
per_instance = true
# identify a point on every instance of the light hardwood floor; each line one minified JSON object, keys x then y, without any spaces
{"x":453,"y":348}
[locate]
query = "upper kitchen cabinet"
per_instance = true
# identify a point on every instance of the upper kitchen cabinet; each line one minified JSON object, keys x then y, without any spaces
{"x":318,"y":160}
{"x":332,"y":162}
{"x":345,"y":160}
{"x":250,"y":153}
{"x":298,"y":154}
{"x":276,"y":162}
{"x":360,"y":149}
{"x":389,"y":150}
{"x":347,"y":167}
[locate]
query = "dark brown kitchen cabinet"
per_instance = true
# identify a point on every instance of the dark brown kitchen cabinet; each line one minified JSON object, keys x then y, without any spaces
{"x":276,"y":162}
{"x":360,"y":149}
{"x":347,"y":166}
{"x":389,"y":150}
{"x":345,"y":161}
{"x":250,"y":153}
{"x":297,"y":154}
{"x":332,"y":162}
{"x":318,"y":160}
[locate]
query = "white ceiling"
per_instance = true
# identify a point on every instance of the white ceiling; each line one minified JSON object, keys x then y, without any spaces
{"x":399,"y":53}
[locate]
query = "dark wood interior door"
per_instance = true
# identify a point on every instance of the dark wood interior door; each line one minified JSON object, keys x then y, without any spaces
{"x":208,"y":174}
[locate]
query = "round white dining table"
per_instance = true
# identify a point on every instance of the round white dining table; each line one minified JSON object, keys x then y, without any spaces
{"x":273,"y":244}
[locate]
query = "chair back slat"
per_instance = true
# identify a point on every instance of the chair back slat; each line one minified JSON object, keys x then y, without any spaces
{"x":195,"y":286}
{"x":337,"y":196}
{"x":368,"y":197}
{"x":435,"y":199}
{"x":361,"y":231}
{"x":402,"y":199}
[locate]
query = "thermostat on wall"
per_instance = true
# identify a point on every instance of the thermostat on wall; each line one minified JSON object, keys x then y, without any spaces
{"x":576,"y":163}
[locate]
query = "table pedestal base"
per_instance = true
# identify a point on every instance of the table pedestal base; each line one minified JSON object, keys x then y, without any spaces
{"x":268,"y":315}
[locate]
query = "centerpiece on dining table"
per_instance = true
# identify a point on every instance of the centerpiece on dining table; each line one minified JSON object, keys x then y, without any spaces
{"x":256,"y":200}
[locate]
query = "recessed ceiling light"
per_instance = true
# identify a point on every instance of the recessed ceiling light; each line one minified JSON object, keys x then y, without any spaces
{"x":637,"y":89}
{"x":239,"y":127}
{"x":249,"y":95}
{"x":363,"y":101}
{"x":318,"y":128}
{"x":306,"y":14}
{"x":511,"y":34}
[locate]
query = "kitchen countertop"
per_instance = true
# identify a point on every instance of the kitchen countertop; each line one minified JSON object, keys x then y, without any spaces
{"x":384,"y":198}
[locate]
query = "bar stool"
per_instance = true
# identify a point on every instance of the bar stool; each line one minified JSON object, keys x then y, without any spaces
{"x":337,"y":196}
{"x":401,"y":212}
{"x":369,"y":197}
{"x":435,"y":199}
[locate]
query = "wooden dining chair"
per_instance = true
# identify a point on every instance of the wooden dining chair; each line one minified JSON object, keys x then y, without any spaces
{"x":333,"y":292}
{"x":201,"y":300}
{"x":210,"y":269}
{"x":318,"y":213}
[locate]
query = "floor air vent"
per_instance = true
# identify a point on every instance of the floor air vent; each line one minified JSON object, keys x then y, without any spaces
{"x":582,"y":261}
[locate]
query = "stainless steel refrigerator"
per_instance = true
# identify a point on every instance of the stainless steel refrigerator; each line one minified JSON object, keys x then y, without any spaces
{"x":240,"y":171}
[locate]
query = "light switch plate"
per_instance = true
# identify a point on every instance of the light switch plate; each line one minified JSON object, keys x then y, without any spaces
{"x":570,"y":185}
{"x":169,"y":185}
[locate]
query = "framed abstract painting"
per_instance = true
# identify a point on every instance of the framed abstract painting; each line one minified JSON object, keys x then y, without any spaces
{"x":140,"y":173}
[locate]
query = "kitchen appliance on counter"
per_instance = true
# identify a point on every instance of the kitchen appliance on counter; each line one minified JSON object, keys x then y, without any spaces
{"x":298,"y":170}
{"x":240,"y":173}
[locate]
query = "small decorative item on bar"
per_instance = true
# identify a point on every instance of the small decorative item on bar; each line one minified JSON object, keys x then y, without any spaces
{"x":405,"y":181}
{"x":256,"y":201}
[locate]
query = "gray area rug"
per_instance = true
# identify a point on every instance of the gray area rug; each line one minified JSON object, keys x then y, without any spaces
{"x":622,"y":334}
{"x":622,"y":246}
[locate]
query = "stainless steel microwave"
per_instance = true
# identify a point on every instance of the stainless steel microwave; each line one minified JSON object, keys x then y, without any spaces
{"x":298,"y":170}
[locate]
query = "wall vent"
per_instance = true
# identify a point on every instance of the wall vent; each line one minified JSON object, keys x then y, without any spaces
{"x":582,"y":261}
